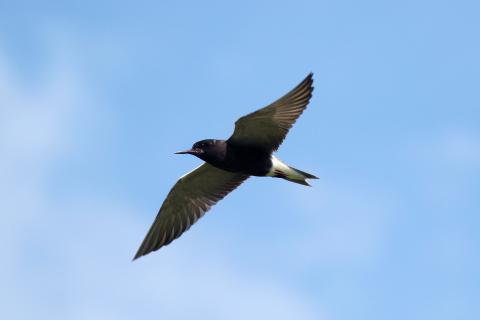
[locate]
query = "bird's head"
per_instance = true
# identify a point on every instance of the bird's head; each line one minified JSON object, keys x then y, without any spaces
{"x":201,"y":148}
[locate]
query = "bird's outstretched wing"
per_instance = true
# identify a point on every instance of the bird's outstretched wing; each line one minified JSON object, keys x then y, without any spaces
{"x":267,"y":128}
{"x":193,"y":195}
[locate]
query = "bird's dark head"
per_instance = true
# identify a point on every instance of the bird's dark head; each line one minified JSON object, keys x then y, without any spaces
{"x":203,"y":149}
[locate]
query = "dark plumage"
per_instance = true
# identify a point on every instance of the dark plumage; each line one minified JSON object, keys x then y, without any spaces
{"x":248,"y":152}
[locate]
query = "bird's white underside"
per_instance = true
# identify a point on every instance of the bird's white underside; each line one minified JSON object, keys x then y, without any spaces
{"x":279,"y":166}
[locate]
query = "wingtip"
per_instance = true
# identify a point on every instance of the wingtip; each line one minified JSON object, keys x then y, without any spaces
{"x":140,"y":253}
{"x":136,"y":257}
{"x":309,"y":81}
{"x":309,"y":77}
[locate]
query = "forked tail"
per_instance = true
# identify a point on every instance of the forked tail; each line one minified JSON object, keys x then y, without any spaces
{"x":301,"y":178}
{"x":282,"y":170}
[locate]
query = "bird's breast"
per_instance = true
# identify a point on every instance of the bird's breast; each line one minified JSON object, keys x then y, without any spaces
{"x":245,"y":160}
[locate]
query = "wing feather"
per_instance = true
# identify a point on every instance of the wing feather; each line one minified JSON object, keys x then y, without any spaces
{"x":266,"y":128}
{"x":193,"y":195}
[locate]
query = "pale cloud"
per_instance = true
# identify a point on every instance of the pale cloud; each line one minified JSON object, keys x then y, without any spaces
{"x":457,"y":148}
{"x":34,"y":130}
{"x":345,"y":224}
{"x":175,"y":283}
{"x":461,"y":147}
{"x":34,"y":116}
{"x":447,"y":163}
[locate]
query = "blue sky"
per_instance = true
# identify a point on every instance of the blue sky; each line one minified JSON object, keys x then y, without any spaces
{"x":96,"y":96}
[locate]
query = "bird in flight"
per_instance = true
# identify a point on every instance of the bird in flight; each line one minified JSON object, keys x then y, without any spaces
{"x":248,"y":152}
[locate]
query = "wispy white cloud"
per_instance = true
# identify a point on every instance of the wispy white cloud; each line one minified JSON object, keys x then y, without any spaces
{"x":457,"y":148}
{"x":346,"y":224}
{"x":446,"y":164}
{"x":462,"y":147}
{"x":34,"y":130}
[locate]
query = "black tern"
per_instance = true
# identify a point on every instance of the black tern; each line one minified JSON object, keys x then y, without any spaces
{"x":248,"y":152}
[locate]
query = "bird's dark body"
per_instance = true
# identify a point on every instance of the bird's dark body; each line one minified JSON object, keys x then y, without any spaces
{"x":248,"y":152}
{"x":232,"y":157}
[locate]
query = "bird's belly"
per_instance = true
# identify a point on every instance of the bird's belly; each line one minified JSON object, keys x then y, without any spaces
{"x":246,"y":162}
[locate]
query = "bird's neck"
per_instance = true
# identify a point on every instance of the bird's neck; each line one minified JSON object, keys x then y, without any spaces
{"x":216,"y":153}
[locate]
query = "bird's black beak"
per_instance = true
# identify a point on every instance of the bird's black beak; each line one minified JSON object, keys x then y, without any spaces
{"x":190,"y":151}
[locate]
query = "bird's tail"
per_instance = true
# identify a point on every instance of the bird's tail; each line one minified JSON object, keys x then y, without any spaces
{"x":284,"y":171}
{"x":301,"y":177}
